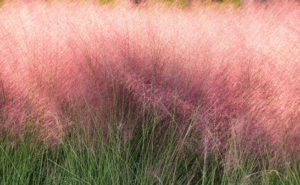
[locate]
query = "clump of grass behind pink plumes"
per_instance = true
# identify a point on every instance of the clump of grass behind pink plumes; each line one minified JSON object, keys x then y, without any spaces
{"x":233,"y":72}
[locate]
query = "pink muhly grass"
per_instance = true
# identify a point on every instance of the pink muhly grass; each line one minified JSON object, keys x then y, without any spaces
{"x":234,"y":72}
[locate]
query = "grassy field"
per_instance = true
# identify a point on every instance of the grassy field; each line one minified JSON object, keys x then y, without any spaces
{"x":150,"y":94}
{"x":153,"y":155}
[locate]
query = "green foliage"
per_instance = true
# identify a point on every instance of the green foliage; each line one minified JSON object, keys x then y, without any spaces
{"x":152,"y":155}
{"x":106,"y":1}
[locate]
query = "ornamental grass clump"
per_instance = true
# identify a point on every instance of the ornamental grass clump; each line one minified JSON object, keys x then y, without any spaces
{"x":229,"y":75}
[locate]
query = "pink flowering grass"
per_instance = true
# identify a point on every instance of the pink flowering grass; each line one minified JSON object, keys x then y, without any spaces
{"x":231,"y":75}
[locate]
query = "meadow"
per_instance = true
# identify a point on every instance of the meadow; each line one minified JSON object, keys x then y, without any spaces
{"x":149,"y":94}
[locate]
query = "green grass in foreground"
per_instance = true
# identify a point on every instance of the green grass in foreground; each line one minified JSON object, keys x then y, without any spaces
{"x":153,"y":155}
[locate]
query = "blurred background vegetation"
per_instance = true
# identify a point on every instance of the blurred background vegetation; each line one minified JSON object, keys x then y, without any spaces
{"x":182,"y":3}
